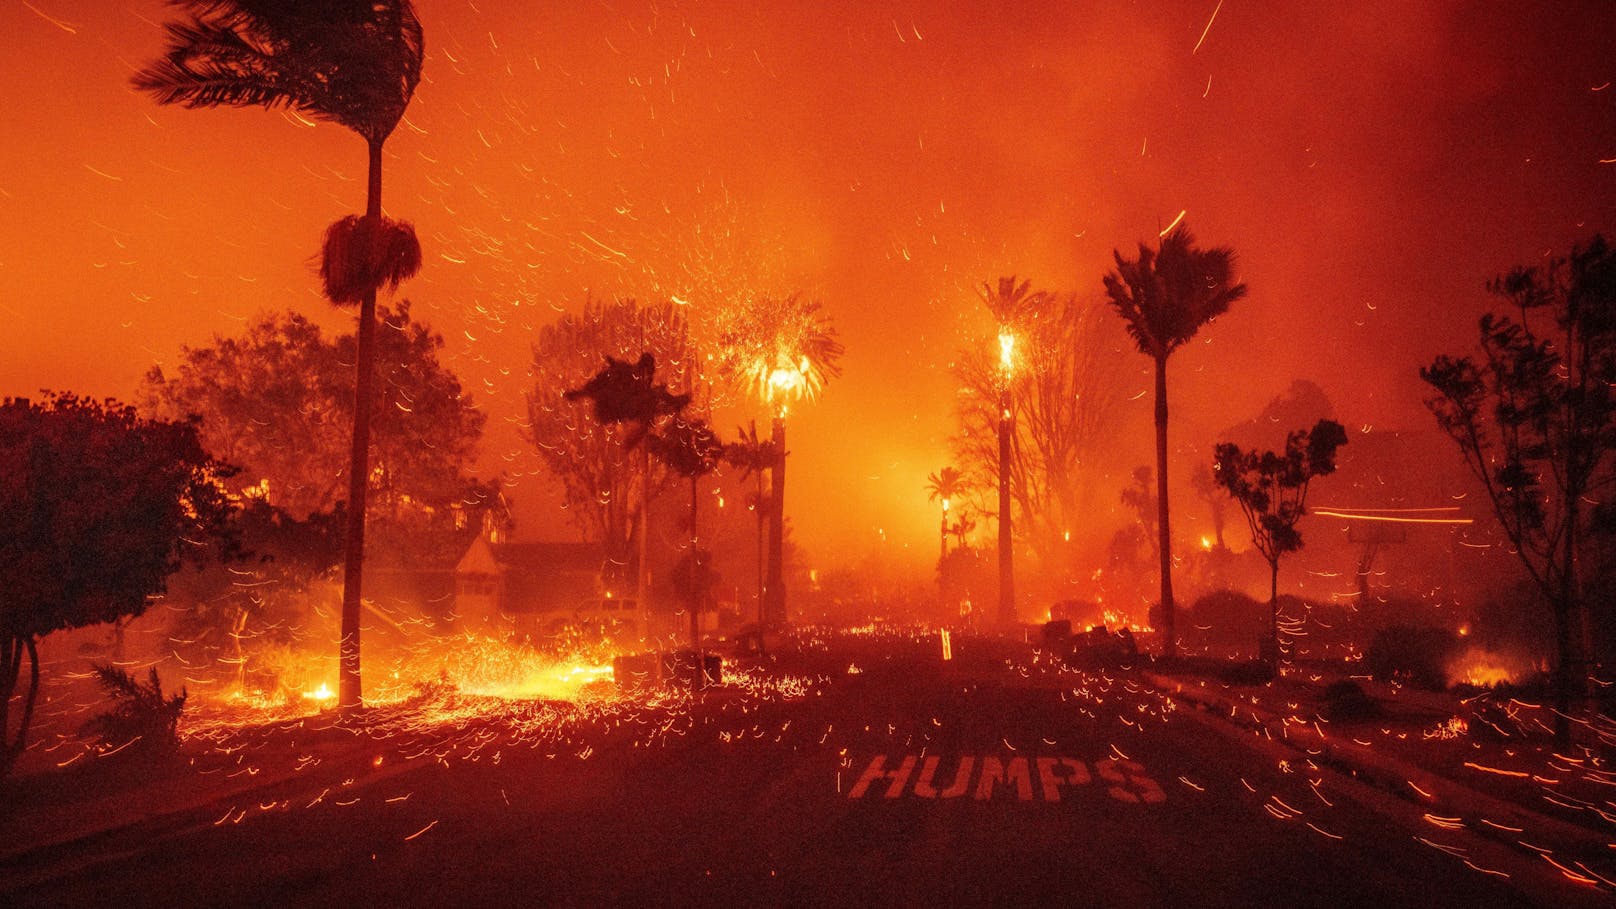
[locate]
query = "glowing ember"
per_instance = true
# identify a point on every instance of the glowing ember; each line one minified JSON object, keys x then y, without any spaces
{"x":321,"y":694}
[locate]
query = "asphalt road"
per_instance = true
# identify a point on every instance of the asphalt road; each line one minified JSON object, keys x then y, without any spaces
{"x":898,"y":780}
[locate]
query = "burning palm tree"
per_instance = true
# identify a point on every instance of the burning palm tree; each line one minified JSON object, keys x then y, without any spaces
{"x":946,"y":486}
{"x":1012,"y":305}
{"x":782,"y":350}
{"x":352,"y":62}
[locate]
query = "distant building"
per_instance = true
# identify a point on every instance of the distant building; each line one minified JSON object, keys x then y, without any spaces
{"x":538,"y":589}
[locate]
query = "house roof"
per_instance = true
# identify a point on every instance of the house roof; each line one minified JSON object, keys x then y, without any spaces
{"x":549,"y":556}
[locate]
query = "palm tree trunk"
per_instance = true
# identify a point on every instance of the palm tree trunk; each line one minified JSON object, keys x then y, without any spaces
{"x":1007,"y":575}
{"x":642,"y":568}
{"x":695,"y":580}
{"x":761,"y":512}
{"x":350,"y":689}
{"x":774,"y":589}
{"x":1273,"y":611}
{"x":1164,"y":532}
{"x":1569,"y":669}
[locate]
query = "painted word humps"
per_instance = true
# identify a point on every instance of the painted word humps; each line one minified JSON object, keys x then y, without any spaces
{"x":1124,"y":780}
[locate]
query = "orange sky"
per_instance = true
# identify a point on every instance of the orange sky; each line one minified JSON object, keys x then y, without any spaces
{"x":1371,"y":163}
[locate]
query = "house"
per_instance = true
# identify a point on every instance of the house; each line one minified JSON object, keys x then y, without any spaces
{"x":540,"y":589}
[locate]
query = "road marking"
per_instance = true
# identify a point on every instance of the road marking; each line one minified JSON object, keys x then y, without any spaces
{"x":1124,"y":780}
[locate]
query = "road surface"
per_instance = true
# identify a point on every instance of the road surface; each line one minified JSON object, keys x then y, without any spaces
{"x":893,"y":778}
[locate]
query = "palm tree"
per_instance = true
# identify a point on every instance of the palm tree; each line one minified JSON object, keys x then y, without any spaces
{"x":946,"y":486}
{"x":783,"y":349}
{"x":753,"y":455}
{"x":351,"y":62}
{"x":692,"y":450}
{"x":1165,"y":296}
{"x":1012,"y":305}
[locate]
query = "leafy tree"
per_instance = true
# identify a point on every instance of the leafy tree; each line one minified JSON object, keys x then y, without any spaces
{"x":1535,"y":418}
{"x":594,"y":460}
{"x":352,"y":62}
{"x":1271,"y":489}
{"x":98,"y":506}
{"x":1064,"y":399}
{"x":1164,"y":297}
{"x":277,"y":401}
{"x":781,"y":349}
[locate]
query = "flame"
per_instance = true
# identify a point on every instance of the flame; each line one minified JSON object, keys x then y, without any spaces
{"x":1484,"y":669}
{"x":1007,"y":350}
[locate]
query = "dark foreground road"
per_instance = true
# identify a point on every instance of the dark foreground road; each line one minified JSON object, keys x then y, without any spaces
{"x":901,"y":780}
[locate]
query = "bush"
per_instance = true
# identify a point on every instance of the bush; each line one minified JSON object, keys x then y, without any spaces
{"x":1225,"y":617}
{"x":1346,"y":700}
{"x":142,"y":720}
{"x":1411,"y":655}
{"x":1248,"y":672}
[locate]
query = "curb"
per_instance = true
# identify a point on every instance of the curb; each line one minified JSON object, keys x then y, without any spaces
{"x":1485,"y":815}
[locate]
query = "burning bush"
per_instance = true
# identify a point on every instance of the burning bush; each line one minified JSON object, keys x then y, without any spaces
{"x":142,"y":719}
{"x":1480,"y":668}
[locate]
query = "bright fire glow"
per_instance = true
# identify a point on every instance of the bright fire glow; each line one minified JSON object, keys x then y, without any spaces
{"x":1007,"y":351}
{"x":1485,"y":669}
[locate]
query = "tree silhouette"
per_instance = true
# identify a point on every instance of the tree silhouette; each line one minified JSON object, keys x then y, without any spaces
{"x":352,"y":62}
{"x":1064,"y":398}
{"x":1012,"y":306}
{"x":278,"y":402}
{"x":1271,"y":489}
{"x":597,"y":470}
{"x":692,"y":450}
{"x":628,"y":393}
{"x":1164,"y":296}
{"x":752,"y":456}
{"x":1535,"y":417}
{"x":98,"y":506}
{"x":946,"y":486}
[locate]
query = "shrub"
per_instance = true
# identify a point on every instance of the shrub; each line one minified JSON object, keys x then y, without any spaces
{"x":1346,"y":700}
{"x":1411,"y":655}
{"x":1248,"y":672}
{"x":142,"y":719}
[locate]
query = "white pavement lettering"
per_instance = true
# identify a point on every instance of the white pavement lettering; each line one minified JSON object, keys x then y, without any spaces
{"x":1125,"y":780}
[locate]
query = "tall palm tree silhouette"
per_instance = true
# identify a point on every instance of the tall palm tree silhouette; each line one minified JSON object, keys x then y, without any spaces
{"x":1165,"y":296}
{"x":753,"y":456}
{"x":352,"y":62}
{"x":692,"y":450}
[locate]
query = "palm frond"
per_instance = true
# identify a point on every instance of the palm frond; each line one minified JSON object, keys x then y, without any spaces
{"x":361,"y":255}
{"x":353,"y":62}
